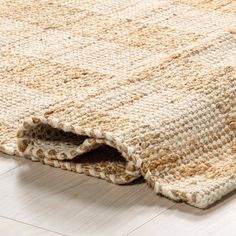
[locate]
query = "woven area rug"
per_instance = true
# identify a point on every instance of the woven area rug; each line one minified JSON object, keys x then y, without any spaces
{"x":119,"y":89}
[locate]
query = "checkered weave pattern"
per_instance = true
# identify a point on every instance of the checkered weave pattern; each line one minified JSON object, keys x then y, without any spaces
{"x":119,"y":89}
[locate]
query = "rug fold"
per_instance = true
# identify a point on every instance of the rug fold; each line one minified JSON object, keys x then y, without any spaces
{"x":61,"y":144}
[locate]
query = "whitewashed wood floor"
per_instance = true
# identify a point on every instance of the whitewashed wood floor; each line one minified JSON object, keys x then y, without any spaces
{"x":41,"y":200}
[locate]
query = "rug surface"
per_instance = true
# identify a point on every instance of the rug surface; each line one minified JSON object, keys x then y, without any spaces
{"x":119,"y":89}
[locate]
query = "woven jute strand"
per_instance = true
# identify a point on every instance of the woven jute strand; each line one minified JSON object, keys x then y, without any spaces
{"x":121,"y":89}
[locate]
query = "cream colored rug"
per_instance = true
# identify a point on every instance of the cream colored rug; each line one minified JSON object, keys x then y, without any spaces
{"x":119,"y":89}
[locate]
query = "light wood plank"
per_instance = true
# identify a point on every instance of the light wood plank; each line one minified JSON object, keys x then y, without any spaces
{"x":7,"y":163}
{"x":10,"y":227}
{"x":75,"y":204}
{"x":182,"y":219}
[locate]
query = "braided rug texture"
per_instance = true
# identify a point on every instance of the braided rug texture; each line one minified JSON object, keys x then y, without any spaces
{"x":119,"y":89}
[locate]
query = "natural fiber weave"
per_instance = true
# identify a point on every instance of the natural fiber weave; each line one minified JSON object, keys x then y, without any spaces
{"x":119,"y":89}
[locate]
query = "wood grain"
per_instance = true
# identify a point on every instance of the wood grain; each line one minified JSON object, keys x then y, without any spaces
{"x":182,"y":219}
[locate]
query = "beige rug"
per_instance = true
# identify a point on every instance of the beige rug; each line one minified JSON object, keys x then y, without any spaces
{"x":119,"y":89}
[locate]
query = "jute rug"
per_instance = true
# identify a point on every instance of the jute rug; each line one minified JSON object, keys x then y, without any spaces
{"x":119,"y":89}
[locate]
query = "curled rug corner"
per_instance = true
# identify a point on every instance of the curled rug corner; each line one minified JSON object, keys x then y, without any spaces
{"x":64,"y":145}
{"x":144,"y":89}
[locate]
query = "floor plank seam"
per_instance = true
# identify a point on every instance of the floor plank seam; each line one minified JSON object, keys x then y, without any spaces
{"x":39,"y":227}
{"x":13,"y":168}
{"x":154,"y":217}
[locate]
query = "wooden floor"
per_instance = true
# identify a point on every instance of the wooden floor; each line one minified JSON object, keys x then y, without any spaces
{"x":41,"y":200}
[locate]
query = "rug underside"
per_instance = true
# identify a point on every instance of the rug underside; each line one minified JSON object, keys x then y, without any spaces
{"x":121,"y":89}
